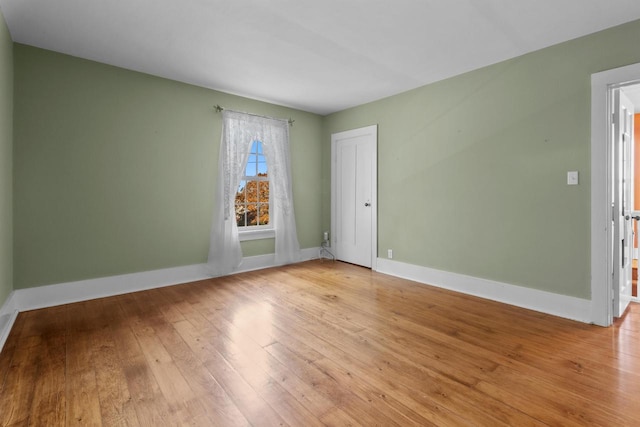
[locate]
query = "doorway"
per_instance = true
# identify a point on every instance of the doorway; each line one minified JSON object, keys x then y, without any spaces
{"x":633,"y":94}
{"x":623,"y":212}
{"x":354,"y":196}
{"x":611,"y":226}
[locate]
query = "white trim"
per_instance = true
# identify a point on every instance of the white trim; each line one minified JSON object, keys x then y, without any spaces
{"x":367,"y":130}
{"x":532,"y":299}
{"x":256,"y":233}
{"x":601,"y":183}
{"x":84,"y":290}
{"x":9,"y":305}
{"x":8,"y":315}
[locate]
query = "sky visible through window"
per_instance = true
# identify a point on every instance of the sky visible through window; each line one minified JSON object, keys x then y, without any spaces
{"x":257,"y":164}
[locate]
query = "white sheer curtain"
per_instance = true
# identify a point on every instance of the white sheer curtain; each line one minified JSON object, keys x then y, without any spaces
{"x":239,"y":130}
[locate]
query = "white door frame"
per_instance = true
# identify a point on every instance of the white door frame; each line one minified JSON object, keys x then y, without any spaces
{"x":602,"y":85}
{"x":367,"y":130}
{"x":623,"y":193}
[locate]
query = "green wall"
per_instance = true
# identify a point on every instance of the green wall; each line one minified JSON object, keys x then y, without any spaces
{"x":115,"y":170}
{"x":472,"y":169}
{"x":6,"y":162}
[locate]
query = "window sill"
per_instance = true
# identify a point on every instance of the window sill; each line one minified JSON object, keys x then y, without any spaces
{"x":264,"y":233}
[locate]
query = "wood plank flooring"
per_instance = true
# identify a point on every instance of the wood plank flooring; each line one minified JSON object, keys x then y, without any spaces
{"x":317,"y":343}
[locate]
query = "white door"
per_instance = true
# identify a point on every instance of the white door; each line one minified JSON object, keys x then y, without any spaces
{"x":353,"y":196}
{"x":622,"y":202}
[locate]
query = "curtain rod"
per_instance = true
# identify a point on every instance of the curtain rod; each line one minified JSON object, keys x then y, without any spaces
{"x":219,"y":109}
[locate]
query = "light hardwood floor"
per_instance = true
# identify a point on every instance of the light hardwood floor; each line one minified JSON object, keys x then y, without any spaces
{"x":318,"y":343}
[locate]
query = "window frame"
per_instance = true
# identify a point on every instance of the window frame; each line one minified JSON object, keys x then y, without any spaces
{"x":256,"y":232}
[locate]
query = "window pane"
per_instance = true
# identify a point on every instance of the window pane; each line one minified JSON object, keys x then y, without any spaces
{"x":241,"y":217}
{"x":251,"y":169}
{"x":262,"y":168}
{"x":263,"y":191}
{"x":257,"y":144}
{"x":264,"y":214}
{"x":252,"y":214}
{"x":252,"y":191}
{"x":240,"y":194}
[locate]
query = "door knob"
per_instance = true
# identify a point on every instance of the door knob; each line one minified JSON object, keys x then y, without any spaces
{"x":367,"y":204}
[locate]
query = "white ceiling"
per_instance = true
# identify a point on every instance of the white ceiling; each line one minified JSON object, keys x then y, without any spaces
{"x":320,"y":56}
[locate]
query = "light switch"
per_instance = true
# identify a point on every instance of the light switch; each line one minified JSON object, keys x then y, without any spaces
{"x":572,"y":178}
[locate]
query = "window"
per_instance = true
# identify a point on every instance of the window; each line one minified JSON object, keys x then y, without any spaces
{"x":253,"y":200}
{"x":252,"y":196}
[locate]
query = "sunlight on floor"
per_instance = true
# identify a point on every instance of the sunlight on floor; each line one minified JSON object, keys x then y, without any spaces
{"x":253,"y":323}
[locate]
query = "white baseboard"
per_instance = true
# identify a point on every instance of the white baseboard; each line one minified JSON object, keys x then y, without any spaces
{"x":542,"y":301}
{"x":83,"y":290}
{"x":8,"y":314}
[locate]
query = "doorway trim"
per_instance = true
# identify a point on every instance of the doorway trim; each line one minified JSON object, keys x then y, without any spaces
{"x":371,"y":130}
{"x":602,"y":86}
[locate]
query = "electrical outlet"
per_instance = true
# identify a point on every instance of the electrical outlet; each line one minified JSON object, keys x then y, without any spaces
{"x":390,"y":253}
